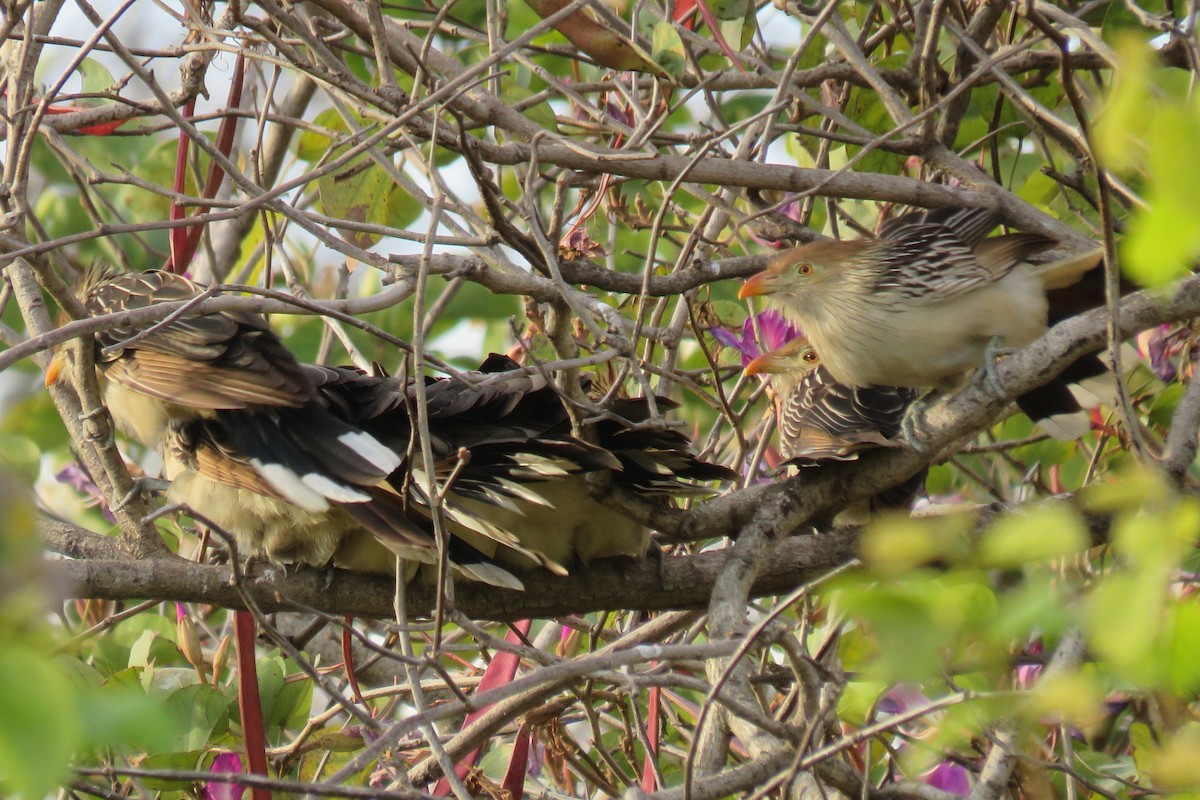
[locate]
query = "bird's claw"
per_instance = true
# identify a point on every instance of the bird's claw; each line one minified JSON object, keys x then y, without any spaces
{"x":913,"y":430}
{"x":88,"y":416}
{"x":140,"y":485}
{"x":991,"y":354}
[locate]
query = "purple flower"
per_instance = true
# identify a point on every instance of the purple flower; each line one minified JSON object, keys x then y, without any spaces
{"x":901,"y":698}
{"x":621,"y":114}
{"x":776,"y":332}
{"x":1160,"y":345}
{"x":1027,"y":674}
{"x":75,"y":476}
{"x":219,"y":790}
{"x":949,"y":777}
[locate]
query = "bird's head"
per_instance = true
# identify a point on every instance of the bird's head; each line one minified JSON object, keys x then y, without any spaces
{"x":59,"y":366}
{"x":90,"y":282}
{"x":811,"y":267}
{"x":797,"y":356}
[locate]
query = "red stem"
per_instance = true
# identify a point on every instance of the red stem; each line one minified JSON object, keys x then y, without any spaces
{"x":254,"y":732}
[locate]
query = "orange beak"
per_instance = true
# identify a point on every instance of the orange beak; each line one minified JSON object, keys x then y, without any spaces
{"x":55,"y":367}
{"x":765,"y":282}
{"x":767,"y":363}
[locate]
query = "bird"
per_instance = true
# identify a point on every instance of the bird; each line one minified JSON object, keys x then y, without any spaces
{"x":526,"y":472}
{"x":245,"y":438}
{"x":320,"y":466}
{"x":193,"y":366}
{"x":821,"y":420}
{"x":922,"y":303}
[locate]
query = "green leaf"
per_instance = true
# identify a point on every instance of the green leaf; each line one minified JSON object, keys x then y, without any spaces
{"x":179,"y":761}
{"x":542,"y":113}
{"x":895,"y":543}
{"x":202,"y":710}
{"x":360,"y":192}
{"x":123,"y":716}
{"x":728,"y":9}
{"x":1041,"y":533}
{"x":1120,"y":129}
{"x":402,"y":209}
{"x":40,"y":725}
{"x":903,"y":620}
{"x":1122,"y":623}
{"x":666,"y":48}
{"x":96,"y":79}
{"x":312,"y":145}
{"x":1039,"y":189}
{"x":858,"y":699}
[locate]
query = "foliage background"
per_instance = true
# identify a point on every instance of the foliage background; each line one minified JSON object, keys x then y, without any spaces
{"x":449,"y":175}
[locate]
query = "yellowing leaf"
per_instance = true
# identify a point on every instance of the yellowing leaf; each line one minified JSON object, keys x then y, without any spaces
{"x":610,"y":48}
{"x":894,"y":544}
{"x":1121,"y":126}
{"x":667,"y":49}
{"x":360,"y":193}
{"x":1072,"y":697}
{"x":1154,"y":542}
{"x":1163,"y":240}
{"x":1135,"y":487}
{"x":1041,"y":533}
{"x":1183,"y":631}
{"x":1123,"y":620}
{"x":1172,"y":765}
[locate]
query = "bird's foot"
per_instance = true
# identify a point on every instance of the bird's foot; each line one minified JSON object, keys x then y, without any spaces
{"x":913,"y":431}
{"x":326,"y":571}
{"x":88,"y":416}
{"x":991,"y":355}
{"x":141,"y":485}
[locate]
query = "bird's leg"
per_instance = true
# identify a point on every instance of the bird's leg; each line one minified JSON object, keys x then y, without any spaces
{"x":86,"y":416}
{"x":659,"y":556}
{"x":141,"y":484}
{"x":991,"y":353}
{"x":103,"y":436}
{"x":913,"y":430}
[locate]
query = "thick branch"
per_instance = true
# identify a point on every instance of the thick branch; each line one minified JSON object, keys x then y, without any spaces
{"x":675,"y":582}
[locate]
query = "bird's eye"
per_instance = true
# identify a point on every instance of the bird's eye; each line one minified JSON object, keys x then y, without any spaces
{"x":804,"y":269}
{"x":811,"y":357}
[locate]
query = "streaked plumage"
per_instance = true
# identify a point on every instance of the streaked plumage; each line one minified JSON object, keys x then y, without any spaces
{"x":919,"y":305}
{"x":196,"y":364}
{"x":526,"y":472}
{"x":819,"y":419}
{"x":320,"y":465}
{"x":245,"y":438}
